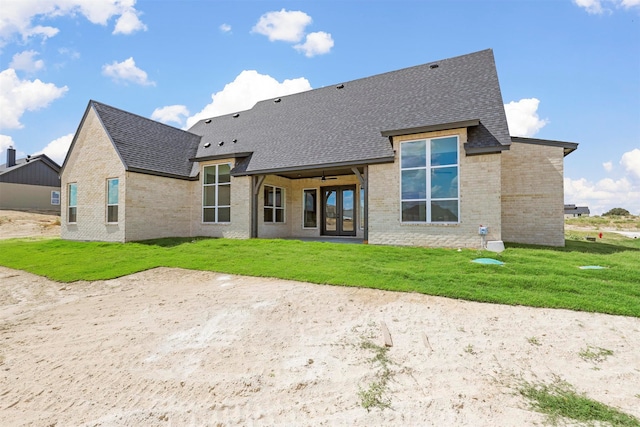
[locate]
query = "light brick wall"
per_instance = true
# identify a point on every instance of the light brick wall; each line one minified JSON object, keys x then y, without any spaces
{"x":91,"y":162}
{"x":157,"y":207}
{"x":24,"y":196}
{"x":240,"y":225}
{"x":533,"y":194}
{"x":480,"y":187}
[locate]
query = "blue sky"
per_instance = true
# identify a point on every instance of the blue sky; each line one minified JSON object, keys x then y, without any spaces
{"x":569,"y":69}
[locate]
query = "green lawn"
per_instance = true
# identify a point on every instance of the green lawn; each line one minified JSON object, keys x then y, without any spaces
{"x":533,"y":276}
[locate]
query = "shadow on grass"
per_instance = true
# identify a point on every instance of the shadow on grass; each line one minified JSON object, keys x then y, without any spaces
{"x":579,"y":246}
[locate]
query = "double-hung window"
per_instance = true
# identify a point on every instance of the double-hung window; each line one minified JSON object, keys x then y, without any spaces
{"x":216,"y":193}
{"x":112,"y":200}
{"x":429,"y":174}
{"x":273,"y":204}
{"x":72,"y":196}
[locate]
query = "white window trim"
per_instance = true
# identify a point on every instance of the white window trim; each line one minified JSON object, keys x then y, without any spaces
{"x":428,"y":169}
{"x":69,"y":202}
{"x":303,"y":209}
{"x":217,"y":206}
{"x":274,"y":207}
{"x":112,"y":204}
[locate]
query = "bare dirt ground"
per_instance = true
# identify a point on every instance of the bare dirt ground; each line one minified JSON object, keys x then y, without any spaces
{"x":28,"y":224}
{"x":171,"y":347}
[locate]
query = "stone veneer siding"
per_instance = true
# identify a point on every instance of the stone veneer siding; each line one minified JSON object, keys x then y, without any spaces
{"x":92,"y":161}
{"x":480,"y":186}
{"x":533,"y":197}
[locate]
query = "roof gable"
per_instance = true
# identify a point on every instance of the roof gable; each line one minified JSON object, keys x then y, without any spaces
{"x":144,"y":145}
{"x":350,"y":122}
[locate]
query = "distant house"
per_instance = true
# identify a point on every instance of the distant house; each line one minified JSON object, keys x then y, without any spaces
{"x":420,"y":156}
{"x":573,"y":211}
{"x":30,"y":183}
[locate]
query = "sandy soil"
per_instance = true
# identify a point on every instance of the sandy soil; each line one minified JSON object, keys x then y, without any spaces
{"x":170,"y":347}
{"x":28,"y":224}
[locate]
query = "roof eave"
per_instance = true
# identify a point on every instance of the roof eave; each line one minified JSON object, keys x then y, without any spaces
{"x":569,"y":147}
{"x":274,"y":171}
{"x":431,"y":128}
{"x":161,"y":174}
{"x":221,"y":156}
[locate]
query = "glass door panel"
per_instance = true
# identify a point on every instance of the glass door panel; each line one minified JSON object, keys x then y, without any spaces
{"x":347,"y":210}
{"x":330,"y":211}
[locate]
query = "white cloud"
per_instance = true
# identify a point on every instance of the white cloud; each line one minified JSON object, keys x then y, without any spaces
{"x":171,"y":113}
{"x":247,"y":89}
{"x":225,"y":28}
{"x":129,"y":22}
{"x":631,"y":163}
{"x":608,"y":193}
{"x":316,"y":44}
{"x":5,"y":142}
{"x":522,"y":117}
{"x":18,"y":96}
{"x":598,"y":7}
{"x":608,"y":166}
{"x":25,"y":61}
{"x":57,"y":149}
{"x":285,"y":25}
{"x":18,"y":16}
{"x":127,"y":71}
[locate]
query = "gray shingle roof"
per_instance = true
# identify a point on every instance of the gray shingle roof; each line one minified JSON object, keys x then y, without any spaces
{"x":345,"y":126}
{"x":148,"y":146}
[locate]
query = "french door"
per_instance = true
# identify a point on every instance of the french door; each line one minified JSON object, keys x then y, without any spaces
{"x":339,"y":210}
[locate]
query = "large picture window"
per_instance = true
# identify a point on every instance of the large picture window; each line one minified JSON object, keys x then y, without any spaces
{"x":273,"y":204}
{"x":429,"y":180}
{"x":216,"y":193}
{"x":310,"y":211}
{"x":72,"y":195}
{"x":112,"y":200}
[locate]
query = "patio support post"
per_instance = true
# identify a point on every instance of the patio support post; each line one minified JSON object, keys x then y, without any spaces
{"x":364,"y":182}
{"x":256,"y":183}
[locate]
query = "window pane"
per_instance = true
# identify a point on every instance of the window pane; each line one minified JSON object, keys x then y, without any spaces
{"x":268,"y":195}
{"x":268,"y":214}
{"x":414,"y":211}
{"x":224,"y":173}
{"x":72,"y":215}
{"x":414,"y":184}
{"x":209,"y":215}
{"x":279,"y":215}
{"x":210,"y":196}
{"x":413,"y":154}
{"x":444,"y":151}
{"x":55,"y":197}
{"x":279,"y":197}
{"x":224,"y":195}
{"x":444,"y":211}
{"x":210,"y":174}
{"x":73,"y":194}
{"x":112,"y":213}
{"x":444,"y":183}
{"x":112,"y":192}
{"x":361,"y":207}
{"x":310,"y":217}
{"x":224,"y":214}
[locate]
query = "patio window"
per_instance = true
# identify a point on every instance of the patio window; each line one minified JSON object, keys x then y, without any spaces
{"x":112,"y":200}
{"x":273,"y":204}
{"x":216,"y":193}
{"x":72,"y":216}
{"x":310,"y":211}
{"x":429,"y":180}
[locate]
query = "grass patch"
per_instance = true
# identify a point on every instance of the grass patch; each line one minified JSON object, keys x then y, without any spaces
{"x":375,"y":395}
{"x":560,"y":401}
{"x":532,"y":275}
{"x":595,"y":354}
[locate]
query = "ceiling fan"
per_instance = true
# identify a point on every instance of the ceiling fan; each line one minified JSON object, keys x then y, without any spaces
{"x":325,"y":178}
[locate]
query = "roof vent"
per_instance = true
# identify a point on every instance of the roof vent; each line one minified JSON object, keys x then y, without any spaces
{"x":277,"y":100}
{"x":236,"y":115}
{"x":234,"y":140}
{"x":220,"y":144}
{"x":340,"y":86}
{"x":208,"y":121}
{"x":433,"y":66}
{"x":207,"y":145}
